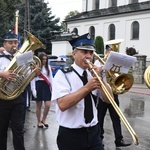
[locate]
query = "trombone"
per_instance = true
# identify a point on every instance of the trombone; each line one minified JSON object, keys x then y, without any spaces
{"x":120,"y":83}
{"x":117,"y":109}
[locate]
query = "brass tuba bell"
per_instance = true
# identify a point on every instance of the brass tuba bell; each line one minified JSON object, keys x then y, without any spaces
{"x":12,"y":89}
{"x":114,"y":44}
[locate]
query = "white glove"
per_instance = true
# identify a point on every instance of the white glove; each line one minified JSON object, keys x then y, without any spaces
{"x":34,"y":93}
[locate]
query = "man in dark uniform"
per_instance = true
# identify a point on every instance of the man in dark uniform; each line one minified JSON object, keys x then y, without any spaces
{"x":73,"y":92}
{"x":102,"y":109}
{"x":11,"y":110}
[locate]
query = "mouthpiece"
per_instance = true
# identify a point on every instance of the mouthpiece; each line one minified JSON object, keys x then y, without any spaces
{"x":15,"y":49}
{"x":87,"y":60}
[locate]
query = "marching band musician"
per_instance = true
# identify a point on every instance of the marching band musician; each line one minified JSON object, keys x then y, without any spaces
{"x":102,"y":109}
{"x":11,"y":110}
{"x":73,"y":91}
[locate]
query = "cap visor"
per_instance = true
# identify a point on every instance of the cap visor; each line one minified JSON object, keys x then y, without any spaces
{"x":11,"y":39}
{"x":90,"y":48}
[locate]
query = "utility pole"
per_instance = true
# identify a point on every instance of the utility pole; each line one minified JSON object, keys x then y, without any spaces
{"x":27,"y":23}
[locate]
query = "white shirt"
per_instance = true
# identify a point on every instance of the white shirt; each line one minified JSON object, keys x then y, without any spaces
{"x":4,"y":62}
{"x":66,"y":83}
{"x":44,"y":72}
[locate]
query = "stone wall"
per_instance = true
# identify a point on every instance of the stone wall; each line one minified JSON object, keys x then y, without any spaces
{"x":139,"y":69}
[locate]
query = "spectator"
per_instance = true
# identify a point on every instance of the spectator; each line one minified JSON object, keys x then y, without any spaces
{"x":41,"y":90}
{"x":130,"y":51}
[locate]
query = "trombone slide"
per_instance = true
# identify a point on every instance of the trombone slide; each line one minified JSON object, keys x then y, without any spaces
{"x":117,"y":109}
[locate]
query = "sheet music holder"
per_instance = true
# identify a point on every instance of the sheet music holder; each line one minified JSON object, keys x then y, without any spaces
{"x":24,"y":58}
{"x":118,"y":62}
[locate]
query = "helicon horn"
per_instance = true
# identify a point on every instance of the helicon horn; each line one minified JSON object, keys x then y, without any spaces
{"x":147,"y":76}
{"x":25,"y":73}
{"x":114,"y":44}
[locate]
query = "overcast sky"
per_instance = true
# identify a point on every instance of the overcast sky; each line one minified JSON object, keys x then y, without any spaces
{"x":60,"y":8}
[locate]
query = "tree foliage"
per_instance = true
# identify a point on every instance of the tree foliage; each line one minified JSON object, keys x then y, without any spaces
{"x":42,"y":22}
{"x":7,"y":13}
{"x":99,"y":45}
{"x":70,"y":14}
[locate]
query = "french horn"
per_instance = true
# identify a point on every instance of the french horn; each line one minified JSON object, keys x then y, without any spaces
{"x":10,"y":90}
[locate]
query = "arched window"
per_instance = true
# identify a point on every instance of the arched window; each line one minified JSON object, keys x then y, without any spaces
{"x":75,"y":30}
{"x":134,"y":1}
{"x":92,"y":32}
{"x":112,"y":3}
{"x":112,"y":31}
{"x":135,"y":29}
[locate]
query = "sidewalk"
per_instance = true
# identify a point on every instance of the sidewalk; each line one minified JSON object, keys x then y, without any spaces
{"x":140,"y":89}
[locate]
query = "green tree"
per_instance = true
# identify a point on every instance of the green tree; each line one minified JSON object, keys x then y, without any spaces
{"x":70,"y":14}
{"x":43,"y":23}
{"x":7,"y":15}
{"x":99,"y":45}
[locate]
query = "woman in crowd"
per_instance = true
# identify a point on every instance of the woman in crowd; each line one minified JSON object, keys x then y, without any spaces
{"x":41,"y":90}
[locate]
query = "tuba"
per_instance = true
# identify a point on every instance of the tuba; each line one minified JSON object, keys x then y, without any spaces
{"x":119,"y":82}
{"x":114,"y":44}
{"x":147,"y":76}
{"x":10,"y":90}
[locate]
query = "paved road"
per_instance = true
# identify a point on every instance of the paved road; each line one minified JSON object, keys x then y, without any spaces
{"x":134,"y":104}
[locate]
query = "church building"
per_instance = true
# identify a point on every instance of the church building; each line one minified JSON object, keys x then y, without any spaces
{"x":115,"y":19}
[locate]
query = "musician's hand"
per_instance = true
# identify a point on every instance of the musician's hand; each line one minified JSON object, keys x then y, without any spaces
{"x":93,"y":84}
{"x":9,"y":75}
{"x":2,"y":49}
{"x":98,"y":70}
{"x":37,"y":71}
